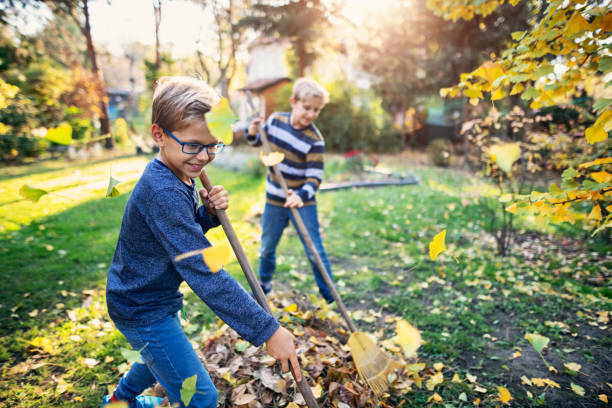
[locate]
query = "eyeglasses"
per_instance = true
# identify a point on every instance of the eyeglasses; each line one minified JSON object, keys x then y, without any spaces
{"x":195,"y":148}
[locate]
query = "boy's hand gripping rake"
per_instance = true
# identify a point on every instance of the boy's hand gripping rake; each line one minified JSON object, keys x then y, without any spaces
{"x":303,"y":386}
{"x":372,"y":363}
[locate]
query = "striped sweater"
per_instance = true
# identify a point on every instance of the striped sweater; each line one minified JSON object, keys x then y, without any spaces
{"x":302,"y":167}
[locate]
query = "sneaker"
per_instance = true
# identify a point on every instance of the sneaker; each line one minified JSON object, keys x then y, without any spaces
{"x":266,"y":287}
{"x":141,"y":401}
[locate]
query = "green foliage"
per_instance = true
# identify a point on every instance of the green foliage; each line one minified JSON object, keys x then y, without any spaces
{"x":121,"y":131}
{"x":354,"y":120}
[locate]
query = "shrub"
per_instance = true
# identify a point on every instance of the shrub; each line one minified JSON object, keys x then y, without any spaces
{"x":439,"y":152}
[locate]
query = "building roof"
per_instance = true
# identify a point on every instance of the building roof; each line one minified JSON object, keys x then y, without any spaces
{"x":263,"y":84}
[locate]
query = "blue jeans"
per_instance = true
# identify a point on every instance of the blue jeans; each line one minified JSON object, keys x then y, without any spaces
{"x":169,"y":359}
{"x":274,"y":221}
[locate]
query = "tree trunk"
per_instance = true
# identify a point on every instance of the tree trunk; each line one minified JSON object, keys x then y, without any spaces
{"x":104,"y":119}
{"x":301,"y":56}
{"x":157,"y":9}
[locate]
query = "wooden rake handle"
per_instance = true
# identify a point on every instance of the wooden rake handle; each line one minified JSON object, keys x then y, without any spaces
{"x":303,"y":386}
{"x":304,"y":232}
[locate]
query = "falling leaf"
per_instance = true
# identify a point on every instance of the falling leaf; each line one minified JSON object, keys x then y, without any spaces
{"x":434,"y":380}
{"x":505,"y":154}
{"x":437,"y":246}
{"x":572,"y":366}
{"x":188,"y":389}
{"x":577,"y":389}
{"x":504,"y":394}
{"x":220,"y":120}
{"x":216,"y":257}
{"x":60,"y":135}
{"x":408,"y":337}
{"x":537,"y":341}
{"x":132,"y":355}
{"x":272,"y":158}
{"x":112,"y":191}
{"x":31,"y":193}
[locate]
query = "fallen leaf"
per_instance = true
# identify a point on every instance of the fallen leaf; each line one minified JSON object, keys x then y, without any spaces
{"x":435,"y":398}
{"x":434,"y":380}
{"x":603,"y":397}
{"x":480,"y":389}
{"x":577,"y":389}
{"x":90,"y":362}
{"x":572,"y":366}
{"x":471,"y":378}
{"x":408,"y":337}
{"x":537,"y":341}
{"x":504,"y":394}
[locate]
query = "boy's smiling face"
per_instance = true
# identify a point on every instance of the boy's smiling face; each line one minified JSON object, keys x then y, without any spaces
{"x":305,"y":111}
{"x":184,"y":166}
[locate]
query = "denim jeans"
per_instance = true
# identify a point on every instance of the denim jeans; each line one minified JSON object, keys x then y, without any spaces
{"x":274,"y":221}
{"x":169,"y":359}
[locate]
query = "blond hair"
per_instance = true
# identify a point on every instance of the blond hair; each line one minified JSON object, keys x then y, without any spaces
{"x":305,"y":88}
{"x":180,"y":101}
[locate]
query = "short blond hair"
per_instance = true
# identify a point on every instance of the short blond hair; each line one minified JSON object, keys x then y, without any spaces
{"x":305,"y":88}
{"x":180,"y":101}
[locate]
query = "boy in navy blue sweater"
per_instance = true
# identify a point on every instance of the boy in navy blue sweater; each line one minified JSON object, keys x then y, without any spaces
{"x":162,"y":220}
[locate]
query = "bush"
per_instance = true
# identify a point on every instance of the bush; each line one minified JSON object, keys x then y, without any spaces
{"x":352,"y":120}
{"x":439,"y":152}
{"x":121,"y":131}
{"x":14,"y":148}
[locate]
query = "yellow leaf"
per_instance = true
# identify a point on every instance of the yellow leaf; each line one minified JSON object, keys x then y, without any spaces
{"x":512,"y":209}
{"x":577,"y":389}
{"x":498,"y":94}
{"x":504,"y":394}
{"x":292,"y":308}
{"x":577,"y":24}
{"x":517,"y":89}
{"x":317,"y":390}
{"x":603,"y":397}
{"x":490,"y":71}
{"x":216,"y":257}
{"x":437,"y":246}
{"x":434,"y":380}
{"x":480,"y":389}
{"x":572,"y":366}
{"x":471,"y":378}
{"x":601,"y":176}
{"x":526,"y":380}
{"x":409,"y":338}
{"x":599,"y":131}
{"x":505,"y":154}
{"x":438,"y":366}
{"x":551,"y":383}
{"x":43,"y":343}
{"x":414,"y":369}
{"x":435,"y":398}
{"x":456,"y":378}
{"x":553,"y":369}
{"x":272,"y":158}
{"x":595,"y":213}
{"x":603,"y":160}
{"x":61,"y":134}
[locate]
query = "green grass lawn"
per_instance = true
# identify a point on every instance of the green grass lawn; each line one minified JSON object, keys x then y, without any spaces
{"x":58,"y":347}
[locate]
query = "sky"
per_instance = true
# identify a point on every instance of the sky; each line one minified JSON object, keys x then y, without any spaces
{"x":118,"y":23}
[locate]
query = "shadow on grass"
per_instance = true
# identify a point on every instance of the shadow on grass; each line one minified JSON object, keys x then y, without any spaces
{"x":48,"y":166}
{"x":53,"y":260}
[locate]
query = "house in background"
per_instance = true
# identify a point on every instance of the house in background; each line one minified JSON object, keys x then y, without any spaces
{"x":267,"y":72}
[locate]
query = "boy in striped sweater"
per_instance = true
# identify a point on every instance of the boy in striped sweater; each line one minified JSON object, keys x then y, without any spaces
{"x":295,"y":135}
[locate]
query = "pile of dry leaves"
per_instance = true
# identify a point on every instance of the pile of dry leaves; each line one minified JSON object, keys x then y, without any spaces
{"x":246,"y":376}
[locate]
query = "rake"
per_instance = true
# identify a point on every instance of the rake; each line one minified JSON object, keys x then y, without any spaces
{"x":303,"y":386}
{"x":372,"y":363}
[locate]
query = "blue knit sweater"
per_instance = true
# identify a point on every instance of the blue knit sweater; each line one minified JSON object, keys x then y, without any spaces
{"x":162,"y":220}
